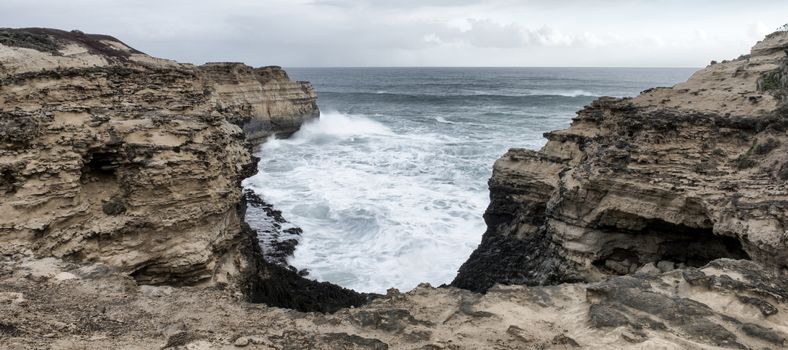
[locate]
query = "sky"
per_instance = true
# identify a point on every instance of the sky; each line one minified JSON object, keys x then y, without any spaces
{"x":378,"y":33}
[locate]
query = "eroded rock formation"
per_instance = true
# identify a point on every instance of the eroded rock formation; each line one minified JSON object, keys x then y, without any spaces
{"x":109,"y":155}
{"x":734,"y":304}
{"x":676,"y":176}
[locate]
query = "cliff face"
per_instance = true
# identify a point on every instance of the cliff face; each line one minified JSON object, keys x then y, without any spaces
{"x":109,"y":155}
{"x":265,"y":98}
{"x":674,"y":177}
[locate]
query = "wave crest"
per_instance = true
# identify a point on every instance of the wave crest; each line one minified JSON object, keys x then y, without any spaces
{"x":340,"y":125}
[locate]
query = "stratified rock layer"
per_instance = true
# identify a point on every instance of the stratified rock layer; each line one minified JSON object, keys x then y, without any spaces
{"x":674,"y":177}
{"x":733,"y":304}
{"x":109,"y":155}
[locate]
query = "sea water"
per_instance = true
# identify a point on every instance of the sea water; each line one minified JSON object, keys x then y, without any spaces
{"x":390,"y":184}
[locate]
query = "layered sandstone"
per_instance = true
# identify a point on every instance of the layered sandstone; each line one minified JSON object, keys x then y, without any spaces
{"x":734,"y":304}
{"x":678,"y":176}
{"x":109,"y":155}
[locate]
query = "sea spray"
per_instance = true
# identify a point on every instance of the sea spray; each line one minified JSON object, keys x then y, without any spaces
{"x":390,"y":191}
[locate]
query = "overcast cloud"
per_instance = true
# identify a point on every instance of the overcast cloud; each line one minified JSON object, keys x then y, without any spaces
{"x":419,"y":32}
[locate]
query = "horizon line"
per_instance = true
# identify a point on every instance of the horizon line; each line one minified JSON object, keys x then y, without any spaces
{"x":595,"y":67}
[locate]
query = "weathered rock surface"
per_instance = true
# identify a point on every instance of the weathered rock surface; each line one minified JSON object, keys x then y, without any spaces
{"x":111,"y":156}
{"x":674,"y":177}
{"x":732,"y":304}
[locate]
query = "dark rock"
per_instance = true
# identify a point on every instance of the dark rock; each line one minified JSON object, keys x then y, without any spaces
{"x":113,"y":207}
{"x":348,"y":341}
{"x":763,"y":333}
{"x":766,"y":308}
{"x":9,"y":330}
{"x":417,"y":336}
{"x":180,"y":339}
{"x":276,"y":285}
{"x":604,"y":315}
{"x":530,"y":260}
{"x":712,"y":333}
{"x":279,"y":286}
{"x":268,"y":222}
{"x":634,"y":337}
{"x":766,"y":147}
{"x":564,"y":340}
{"x":395,"y":320}
{"x":647,"y":322}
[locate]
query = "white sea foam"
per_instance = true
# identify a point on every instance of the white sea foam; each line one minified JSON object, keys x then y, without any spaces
{"x":443,"y":120}
{"x":395,"y":197}
{"x":378,"y":209}
{"x":530,"y":92}
{"x":565,"y":93}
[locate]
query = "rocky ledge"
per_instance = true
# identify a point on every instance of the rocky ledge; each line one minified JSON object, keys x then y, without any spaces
{"x":52,"y":304}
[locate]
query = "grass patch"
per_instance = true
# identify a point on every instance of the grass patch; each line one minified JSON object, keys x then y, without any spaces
{"x":28,"y":40}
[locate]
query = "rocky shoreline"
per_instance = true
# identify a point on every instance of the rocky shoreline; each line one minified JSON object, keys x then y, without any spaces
{"x":652,"y":222}
{"x":647,"y":181}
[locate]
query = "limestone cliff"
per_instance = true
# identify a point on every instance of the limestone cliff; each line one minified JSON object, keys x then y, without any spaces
{"x":109,"y":155}
{"x":674,"y":177}
{"x":265,"y":98}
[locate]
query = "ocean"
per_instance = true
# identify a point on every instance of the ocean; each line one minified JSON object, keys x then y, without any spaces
{"x":390,"y":184}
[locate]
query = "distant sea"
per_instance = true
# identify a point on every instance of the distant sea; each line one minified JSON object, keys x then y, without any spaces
{"x":390,"y":184}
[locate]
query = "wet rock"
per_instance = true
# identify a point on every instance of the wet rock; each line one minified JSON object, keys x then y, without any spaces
{"x":509,"y":260}
{"x":279,"y":243}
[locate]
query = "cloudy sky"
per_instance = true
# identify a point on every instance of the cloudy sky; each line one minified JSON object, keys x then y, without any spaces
{"x":297,"y":33}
